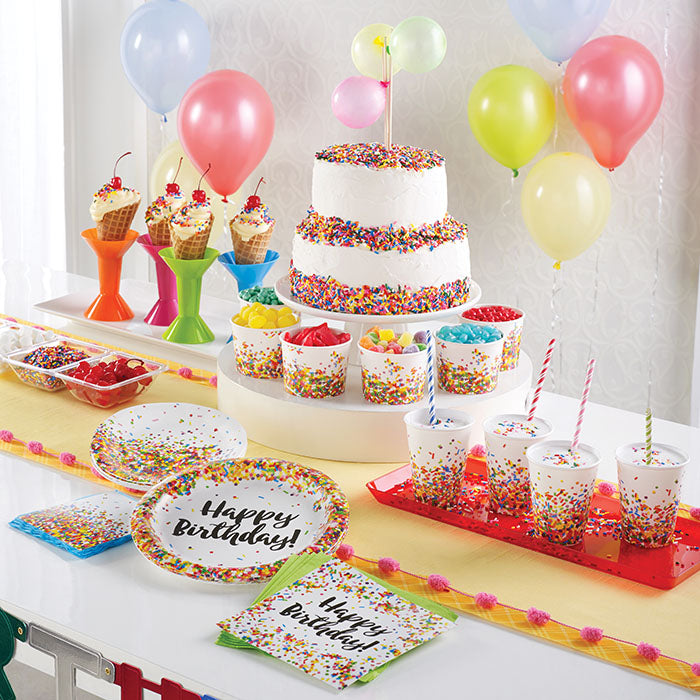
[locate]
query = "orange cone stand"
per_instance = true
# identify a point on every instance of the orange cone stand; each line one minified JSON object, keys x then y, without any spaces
{"x":109,"y":305}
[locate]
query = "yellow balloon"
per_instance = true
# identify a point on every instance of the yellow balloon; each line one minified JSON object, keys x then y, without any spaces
{"x":163,"y":172}
{"x":367,"y":48}
{"x":511,"y":111}
{"x":565,"y":203}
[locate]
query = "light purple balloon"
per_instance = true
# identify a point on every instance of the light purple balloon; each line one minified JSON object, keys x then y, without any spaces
{"x":358,"y":101}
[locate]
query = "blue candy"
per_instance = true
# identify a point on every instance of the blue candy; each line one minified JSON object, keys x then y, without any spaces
{"x":469,"y":333}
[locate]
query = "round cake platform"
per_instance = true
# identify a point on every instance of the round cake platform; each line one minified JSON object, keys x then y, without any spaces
{"x":347,"y":428}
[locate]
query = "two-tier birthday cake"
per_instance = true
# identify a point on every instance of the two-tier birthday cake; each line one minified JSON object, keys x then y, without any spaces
{"x":377,"y":238}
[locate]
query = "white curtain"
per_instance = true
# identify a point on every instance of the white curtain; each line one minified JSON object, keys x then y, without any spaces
{"x":32,"y":202}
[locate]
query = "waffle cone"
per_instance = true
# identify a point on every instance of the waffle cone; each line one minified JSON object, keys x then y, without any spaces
{"x":115,"y":224}
{"x":160,"y":232}
{"x":192,"y":248}
{"x":252,"y":251}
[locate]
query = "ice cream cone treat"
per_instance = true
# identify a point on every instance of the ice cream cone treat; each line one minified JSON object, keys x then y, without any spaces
{"x":191,"y":225}
{"x":251,"y":231}
{"x":113,"y":208}
{"x":161,"y":210}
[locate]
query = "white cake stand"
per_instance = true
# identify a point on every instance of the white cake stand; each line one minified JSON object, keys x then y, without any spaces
{"x":347,"y":428}
{"x":358,"y":324}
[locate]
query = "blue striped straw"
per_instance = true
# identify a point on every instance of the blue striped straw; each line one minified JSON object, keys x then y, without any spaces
{"x":431,"y":379}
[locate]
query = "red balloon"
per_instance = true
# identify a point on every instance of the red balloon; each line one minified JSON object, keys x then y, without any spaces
{"x":226,"y":118}
{"x":613,"y":89}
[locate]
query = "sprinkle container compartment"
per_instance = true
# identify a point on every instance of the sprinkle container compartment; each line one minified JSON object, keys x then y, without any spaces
{"x":113,"y":394}
{"x":602,"y":547}
{"x":43,"y":377}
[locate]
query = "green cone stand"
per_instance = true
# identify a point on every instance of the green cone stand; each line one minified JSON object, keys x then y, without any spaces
{"x":188,"y":327}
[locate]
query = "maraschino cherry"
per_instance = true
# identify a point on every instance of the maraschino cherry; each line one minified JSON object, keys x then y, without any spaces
{"x":253,"y":202}
{"x":116,"y":182}
{"x":199,"y":195}
{"x":172,"y":188}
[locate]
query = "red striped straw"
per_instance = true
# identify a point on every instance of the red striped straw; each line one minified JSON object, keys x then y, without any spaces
{"x":540,"y":381}
{"x":582,"y":406}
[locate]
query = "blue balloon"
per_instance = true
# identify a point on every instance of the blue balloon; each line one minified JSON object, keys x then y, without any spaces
{"x":559,"y":28}
{"x":165,"y":47}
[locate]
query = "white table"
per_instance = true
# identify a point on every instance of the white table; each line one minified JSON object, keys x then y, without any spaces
{"x":132,"y":611}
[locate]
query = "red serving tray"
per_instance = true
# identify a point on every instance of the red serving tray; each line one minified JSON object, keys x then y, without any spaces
{"x":601,"y":549}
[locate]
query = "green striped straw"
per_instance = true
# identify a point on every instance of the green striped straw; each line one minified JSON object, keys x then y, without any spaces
{"x":648,"y":436}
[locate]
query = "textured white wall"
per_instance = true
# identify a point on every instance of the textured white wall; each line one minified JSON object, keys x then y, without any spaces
{"x":299,"y":50}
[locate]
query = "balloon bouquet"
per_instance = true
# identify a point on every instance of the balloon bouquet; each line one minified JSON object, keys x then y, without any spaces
{"x":225,"y":120}
{"x":379,"y":51}
{"x":612,"y":91}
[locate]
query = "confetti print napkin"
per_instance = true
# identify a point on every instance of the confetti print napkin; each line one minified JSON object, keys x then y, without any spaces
{"x":334,"y":622}
{"x":84,"y":527}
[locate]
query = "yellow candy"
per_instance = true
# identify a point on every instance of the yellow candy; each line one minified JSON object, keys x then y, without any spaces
{"x":239,"y":320}
{"x":285,"y":320}
{"x":257,"y":307}
{"x":405,"y":339}
{"x":257,"y":321}
{"x":269,"y":324}
{"x":284,"y":311}
{"x":271,"y":315}
{"x":386,"y":334}
{"x":245,"y":312}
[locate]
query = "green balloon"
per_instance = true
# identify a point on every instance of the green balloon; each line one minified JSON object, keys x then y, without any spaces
{"x":418,"y":44}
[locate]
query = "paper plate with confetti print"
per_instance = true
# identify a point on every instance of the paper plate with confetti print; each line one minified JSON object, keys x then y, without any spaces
{"x":237,"y":521}
{"x":142,"y":445}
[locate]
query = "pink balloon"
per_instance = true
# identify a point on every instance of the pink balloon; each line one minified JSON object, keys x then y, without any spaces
{"x":358,"y":101}
{"x":613,"y":89}
{"x":226,"y":118}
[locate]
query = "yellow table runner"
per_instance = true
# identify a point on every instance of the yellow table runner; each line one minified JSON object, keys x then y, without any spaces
{"x":624,"y":610}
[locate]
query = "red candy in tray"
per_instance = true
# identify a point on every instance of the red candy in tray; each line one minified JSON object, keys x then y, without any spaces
{"x":317,"y":336}
{"x":601,"y":547}
{"x":111,"y":380}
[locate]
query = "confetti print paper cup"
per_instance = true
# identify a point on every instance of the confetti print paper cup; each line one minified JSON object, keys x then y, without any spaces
{"x":649,"y":495}
{"x":314,"y":372}
{"x":512,"y":335}
{"x":468,"y":368}
{"x":438,"y":455}
{"x":561,"y":482}
{"x":507,"y":437}
{"x":258,"y":351}
{"x":393,"y":379}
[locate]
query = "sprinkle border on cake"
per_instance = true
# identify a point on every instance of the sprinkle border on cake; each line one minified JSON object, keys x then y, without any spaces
{"x":378,"y":156}
{"x":334,"y":231}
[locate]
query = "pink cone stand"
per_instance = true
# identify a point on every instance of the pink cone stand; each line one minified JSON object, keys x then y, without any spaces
{"x":165,"y":309}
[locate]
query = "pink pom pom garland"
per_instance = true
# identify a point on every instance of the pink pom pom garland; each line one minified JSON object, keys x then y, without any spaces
{"x":438,"y":582}
{"x":486,"y":600}
{"x":606,"y":488}
{"x":695,"y":668}
{"x":478,"y":451}
{"x":591,"y":634}
{"x":185,"y":372}
{"x":388,"y":565}
{"x":648,"y":651}
{"x":6,"y":436}
{"x":214,"y":381}
{"x":537,"y":617}
{"x":695,"y":512}
{"x":36,"y":448}
{"x":67,"y":458}
{"x":345,"y":551}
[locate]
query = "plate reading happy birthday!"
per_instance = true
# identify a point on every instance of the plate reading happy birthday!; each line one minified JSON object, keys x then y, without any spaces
{"x":142,"y":445}
{"x":239,"y":520}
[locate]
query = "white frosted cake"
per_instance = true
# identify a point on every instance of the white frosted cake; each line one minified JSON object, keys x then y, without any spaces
{"x":377,"y":238}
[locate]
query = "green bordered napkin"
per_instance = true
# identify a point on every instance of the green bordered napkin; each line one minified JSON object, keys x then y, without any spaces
{"x":298,"y":566}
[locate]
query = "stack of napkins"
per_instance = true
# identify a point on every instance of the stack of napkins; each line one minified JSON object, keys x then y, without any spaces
{"x":334,"y":622}
{"x":84,"y":527}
